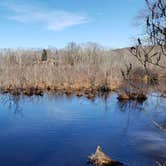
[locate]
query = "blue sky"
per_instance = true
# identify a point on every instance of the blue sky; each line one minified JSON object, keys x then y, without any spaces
{"x":43,"y":23}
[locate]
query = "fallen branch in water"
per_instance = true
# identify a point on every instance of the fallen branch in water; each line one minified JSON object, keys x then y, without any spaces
{"x":159,"y":126}
{"x":159,"y":164}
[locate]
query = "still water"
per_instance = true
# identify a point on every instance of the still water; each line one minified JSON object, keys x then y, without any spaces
{"x":62,"y":131}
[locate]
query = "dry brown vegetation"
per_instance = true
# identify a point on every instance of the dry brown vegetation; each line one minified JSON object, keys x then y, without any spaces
{"x":75,"y":67}
{"x":101,"y":159}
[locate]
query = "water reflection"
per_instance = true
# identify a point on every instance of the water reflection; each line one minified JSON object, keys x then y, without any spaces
{"x":153,"y":143}
{"x":130,"y":105}
{"x":11,"y":102}
{"x":53,"y":125}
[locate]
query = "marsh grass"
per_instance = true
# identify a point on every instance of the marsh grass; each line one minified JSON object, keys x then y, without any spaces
{"x":75,"y":67}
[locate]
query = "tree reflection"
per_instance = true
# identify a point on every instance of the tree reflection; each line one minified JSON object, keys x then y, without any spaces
{"x":11,"y":102}
{"x":105,"y":97}
{"x":130,"y":105}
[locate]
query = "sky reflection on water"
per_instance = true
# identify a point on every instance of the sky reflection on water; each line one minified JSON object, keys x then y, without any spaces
{"x":59,"y":130}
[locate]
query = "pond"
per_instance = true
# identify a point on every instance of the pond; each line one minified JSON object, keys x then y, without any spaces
{"x":55,"y":130}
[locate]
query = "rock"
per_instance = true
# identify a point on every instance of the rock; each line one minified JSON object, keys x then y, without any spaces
{"x":101,"y":159}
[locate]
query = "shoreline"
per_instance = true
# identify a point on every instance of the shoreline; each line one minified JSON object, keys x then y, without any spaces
{"x":80,"y":90}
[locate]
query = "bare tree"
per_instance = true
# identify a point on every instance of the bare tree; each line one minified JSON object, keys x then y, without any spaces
{"x":154,"y":51}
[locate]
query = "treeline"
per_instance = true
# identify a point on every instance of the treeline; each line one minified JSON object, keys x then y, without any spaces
{"x":73,"y":67}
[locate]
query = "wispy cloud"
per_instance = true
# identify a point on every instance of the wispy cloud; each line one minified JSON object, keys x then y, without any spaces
{"x":51,"y":19}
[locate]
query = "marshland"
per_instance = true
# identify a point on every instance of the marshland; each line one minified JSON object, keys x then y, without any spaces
{"x":82,"y":103}
{"x":77,"y":68}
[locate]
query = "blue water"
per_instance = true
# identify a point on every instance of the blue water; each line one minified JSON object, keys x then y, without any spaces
{"x":62,"y":131}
